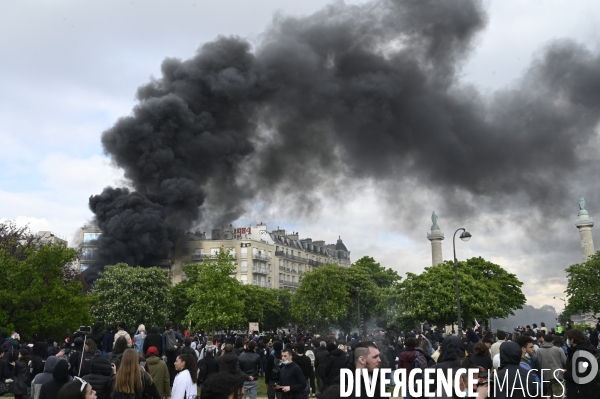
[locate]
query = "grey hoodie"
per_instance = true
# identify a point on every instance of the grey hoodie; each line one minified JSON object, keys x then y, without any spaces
{"x":39,"y":379}
{"x":553,"y":358}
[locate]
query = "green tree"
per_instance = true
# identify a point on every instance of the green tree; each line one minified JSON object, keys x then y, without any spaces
{"x":268,"y":307}
{"x":323,"y":297}
{"x":39,"y":296}
{"x":216,"y":297}
{"x":486,"y":291}
{"x":374,"y":282}
{"x":583,"y":286}
{"x":134,"y":295}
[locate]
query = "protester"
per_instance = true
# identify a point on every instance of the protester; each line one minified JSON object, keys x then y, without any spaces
{"x":41,"y":378}
{"x":133,"y":380}
{"x":292,"y":383}
{"x":138,"y":339}
{"x":99,"y":377}
{"x":21,"y":375}
{"x":207,"y":366}
{"x":122,"y":333}
{"x":576,"y":342}
{"x":184,"y":385}
{"x":60,"y":376}
{"x":228,"y":361}
{"x":76,"y":389}
{"x":153,"y":338}
{"x":159,"y":372}
{"x":171,"y":341}
{"x":250,"y":368}
{"x":223,"y":386}
{"x":481,"y":356}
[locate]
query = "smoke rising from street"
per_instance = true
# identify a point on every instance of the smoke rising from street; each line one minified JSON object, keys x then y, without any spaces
{"x":352,"y":93}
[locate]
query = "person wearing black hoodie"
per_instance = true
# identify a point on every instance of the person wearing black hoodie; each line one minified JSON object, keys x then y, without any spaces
{"x":321,"y":356}
{"x":40,"y":353}
{"x":576,"y":342}
{"x":153,"y":338}
{"x":60,"y":376}
{"x":335,"y":362}
{"x":21,"y":375}
{"x":228,"y":361}
{"x":518,"y":384}
{"x":452,"y":350}
{"x":273,"y":362}
{"x":99,"y":377}
{"x":97,"y":335}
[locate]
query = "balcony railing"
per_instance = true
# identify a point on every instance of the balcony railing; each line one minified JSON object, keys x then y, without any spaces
{"x":293,"y":257}
{"x":289,"y":283}
{"x":260,"y":256}
{"x":260,"y":270}
{"x":261,"y":283}
{"x":208,"y":256}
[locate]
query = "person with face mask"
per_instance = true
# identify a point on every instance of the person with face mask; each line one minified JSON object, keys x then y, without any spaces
{"x":527,"y":353}
{"x":292,"y":382}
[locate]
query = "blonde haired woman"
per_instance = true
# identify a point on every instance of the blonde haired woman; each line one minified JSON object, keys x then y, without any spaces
{"x":138,"y":339}
{"x":132,"y":380}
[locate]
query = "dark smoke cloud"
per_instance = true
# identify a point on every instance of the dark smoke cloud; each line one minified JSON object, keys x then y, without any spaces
{"x":349,"y":93}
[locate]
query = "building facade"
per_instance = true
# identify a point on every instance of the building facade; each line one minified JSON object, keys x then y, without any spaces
{"x":267,"y":259}
{"x":88,"y":242}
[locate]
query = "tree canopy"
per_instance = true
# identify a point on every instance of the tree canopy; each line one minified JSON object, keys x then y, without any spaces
{"x":134,"y":295}
{"x":583,"y":286}
{"x":39,"y":295}
{"x":486,"y":291}
{"x":216,"y":297}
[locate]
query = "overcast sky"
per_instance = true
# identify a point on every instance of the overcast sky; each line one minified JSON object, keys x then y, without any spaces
{"x":70,"y":69}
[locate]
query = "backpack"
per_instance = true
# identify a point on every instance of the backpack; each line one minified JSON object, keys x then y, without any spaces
{"x":86,"y":364}
{"x":171,"y":341}
{"x":420,"y":361}
{"x":276,"y":371}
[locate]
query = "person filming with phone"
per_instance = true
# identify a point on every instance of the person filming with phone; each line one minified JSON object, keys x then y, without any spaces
{"x":291,"y":379}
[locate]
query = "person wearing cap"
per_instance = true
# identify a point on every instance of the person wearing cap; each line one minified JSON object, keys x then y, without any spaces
{"x":159,"y":372}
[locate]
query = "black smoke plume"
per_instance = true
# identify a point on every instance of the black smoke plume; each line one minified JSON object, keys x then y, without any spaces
{"x":350,"y":93}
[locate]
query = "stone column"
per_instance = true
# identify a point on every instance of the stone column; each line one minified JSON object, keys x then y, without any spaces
{"x":585,"y":223}
{"x":436,"y":236}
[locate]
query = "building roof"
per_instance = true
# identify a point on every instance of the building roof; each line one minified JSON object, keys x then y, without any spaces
{"x":340,"y":245}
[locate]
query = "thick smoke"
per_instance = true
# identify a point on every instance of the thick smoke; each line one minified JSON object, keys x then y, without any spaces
{"x":367,"y":92}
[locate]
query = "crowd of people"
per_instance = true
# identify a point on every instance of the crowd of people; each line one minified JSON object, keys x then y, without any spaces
{"x":113,"y":363}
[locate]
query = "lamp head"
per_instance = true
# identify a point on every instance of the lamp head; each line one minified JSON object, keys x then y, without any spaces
{"x":465,"y":236}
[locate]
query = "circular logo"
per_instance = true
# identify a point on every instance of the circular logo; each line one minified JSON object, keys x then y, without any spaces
{"x":584,"y":367}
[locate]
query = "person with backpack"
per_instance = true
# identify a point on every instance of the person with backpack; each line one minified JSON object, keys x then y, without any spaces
{"x":272,"y":373}
{"x":12,"y":347}
{"x":22,"y":375}
{"x":115,"y":356}
{"x":171,"y":341}
{"x":84,"y":364}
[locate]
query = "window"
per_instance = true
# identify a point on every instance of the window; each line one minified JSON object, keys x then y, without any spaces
{"x":198,"y":251}
{"x":293,"y":279}
{"x":244,"y":253}
{"x":255,"y":251}
{"x":280,"y":262}
{"x":84,"y":266}
{"x":244,"y":265}
{"x":88,"y":253}
{"x":91,"y":238}
{"x":269,"y":267}
{"x":214,"y":251}
{"x":244,"y":279}
{"x":231,"y":251}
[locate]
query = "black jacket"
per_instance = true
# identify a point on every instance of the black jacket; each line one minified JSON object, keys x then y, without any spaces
{"x":229,"y":363}
{"x":21,"y":378}
{"x":452,"y":350}
{"x":60,"y":376}
{"x":321,"y":356}
{"x":250,"y":364}
{"x":291,"y":375}
{"x":207,"y":366}
{"x":4,"y":369}
{"x":97,"y":337}
{"x":40,"y":353}
{"x":270,"y":364}
{"x":591,"y":390}
{"x":153,"y":339}
{"x":305,"y":365}
{"x":515,"y":375}
{"x":336,"y":362}
{"x":100,"y":376}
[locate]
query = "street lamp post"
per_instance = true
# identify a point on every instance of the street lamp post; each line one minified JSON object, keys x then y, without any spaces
{"x":465,"y":236}
{"x":358,"y":306}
